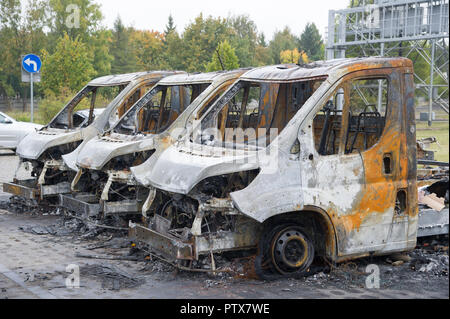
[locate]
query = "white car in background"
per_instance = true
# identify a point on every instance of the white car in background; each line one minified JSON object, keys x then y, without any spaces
{"x":12,"y":131}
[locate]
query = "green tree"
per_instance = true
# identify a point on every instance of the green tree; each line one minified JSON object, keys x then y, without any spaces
{"x":81,"y":19}
{"x":224,"y":58}
{"x":294,"y":56}
{"x":35,"y":22}
{"x":262,"y":40}
{"x":244,"y":39}
{"x":99,"y":47}
{"x":10,"y":36}
{"x":76,"y":18}
{"x":148,"y":49}
{"x":69,"y":66}
{"x":170,"y":26}
{"x":200,"y":40}
{"x":262,"y":52}
{"x":21,"y":32}
{"x":282,"y":41}
{"x":124,"y":60}
{"x":173,"y":56}
{"x":311,"y":42}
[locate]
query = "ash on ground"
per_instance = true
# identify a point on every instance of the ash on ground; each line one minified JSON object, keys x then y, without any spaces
{"x":427,"y":264}
{"x":111,"y":277}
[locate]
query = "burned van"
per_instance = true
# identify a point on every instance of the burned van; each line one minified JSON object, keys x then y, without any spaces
{"x":76,"y":123}
{"x":296,"y":162}
{"x":104,"y":185}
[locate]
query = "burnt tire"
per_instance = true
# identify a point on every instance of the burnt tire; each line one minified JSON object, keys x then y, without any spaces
{"x":284,"y":251}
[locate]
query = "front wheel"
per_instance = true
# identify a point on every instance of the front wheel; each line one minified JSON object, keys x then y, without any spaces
{"x":284,"y":251}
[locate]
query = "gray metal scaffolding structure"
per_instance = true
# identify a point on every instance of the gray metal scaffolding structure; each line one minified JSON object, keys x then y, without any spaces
{"x":398,"y":28}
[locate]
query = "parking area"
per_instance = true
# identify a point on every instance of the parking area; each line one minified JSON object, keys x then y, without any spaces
{"x":39,"y":252}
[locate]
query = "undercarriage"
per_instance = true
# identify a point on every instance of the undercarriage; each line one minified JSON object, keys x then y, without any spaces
{"x":49,"y":176}
{"x":182,"y":229}
{"x":108,"y":192}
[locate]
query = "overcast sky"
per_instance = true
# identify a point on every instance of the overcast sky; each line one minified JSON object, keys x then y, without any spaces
{"x":269,"y":15}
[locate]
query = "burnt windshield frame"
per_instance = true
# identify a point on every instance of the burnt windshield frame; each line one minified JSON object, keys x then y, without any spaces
{"x":195,"y":91}
{"x":63,"y":118}
{"x":210,"y":119}
{"x":132,"y":113}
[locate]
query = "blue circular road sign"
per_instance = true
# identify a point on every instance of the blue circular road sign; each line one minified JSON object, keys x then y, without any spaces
{"x":31,"y":63}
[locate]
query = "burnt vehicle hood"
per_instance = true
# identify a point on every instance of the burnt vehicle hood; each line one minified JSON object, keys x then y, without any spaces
{"x":100,"y":150}
{"x":35,"y":144}
{"x":180,"y":169}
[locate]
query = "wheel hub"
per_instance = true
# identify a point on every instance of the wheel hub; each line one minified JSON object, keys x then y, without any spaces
{"x":289,"y":251}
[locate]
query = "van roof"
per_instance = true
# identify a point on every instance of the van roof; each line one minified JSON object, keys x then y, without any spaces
{"x":118,"y":79}
{"x":292,"y":72}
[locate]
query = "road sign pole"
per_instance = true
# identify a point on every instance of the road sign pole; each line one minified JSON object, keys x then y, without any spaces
{"x":31,"y":65}
{"x":31,"y":96}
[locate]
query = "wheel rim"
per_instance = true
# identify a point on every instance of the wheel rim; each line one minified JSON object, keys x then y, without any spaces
{"x":289,"y":251}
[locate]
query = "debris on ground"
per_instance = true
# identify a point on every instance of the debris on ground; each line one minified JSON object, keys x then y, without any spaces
{"x":429,"y":261}
{"x":69,"y":225}
{"x":63,"y":227}
{"x":108,"y":257}
{"x":157,"y":266}
{"x":112,"y":277}
{"x":431,"y":257}
{"x":432,"y":201}
{"x":20,"y":205}
{"x":114,"y":243}
{"x":39,"y":230}
{"x":436,"y":195}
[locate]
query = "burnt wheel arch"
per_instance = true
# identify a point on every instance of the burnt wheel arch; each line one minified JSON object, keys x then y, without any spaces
{"x":316,"y":224}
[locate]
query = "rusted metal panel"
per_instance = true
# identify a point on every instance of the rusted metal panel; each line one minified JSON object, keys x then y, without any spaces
{"x":84,"y":204}
{"x":169,"y":247}
{"x":26,"y":189}
{"x":52,"y":190}
{"x":36,"y":188}
{"x":200,"y":78}
{"x":432,"y":223}
{"x":122,"y":207}
{"x":245,"y":236}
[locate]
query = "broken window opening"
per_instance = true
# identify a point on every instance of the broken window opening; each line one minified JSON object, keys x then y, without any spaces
{"x":206,"y":106}
{"x":197,"y":90}
{"x":387,"y":163}
{"x":82,"y":110}
{"x":327,"y":125}
{"x":251,"y":112}
{"x":158,"y":109}
{"x":368,"y":100}
{"x":360,"y":103}
{"x":129,"y":102}
{"x":401,"y":203}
